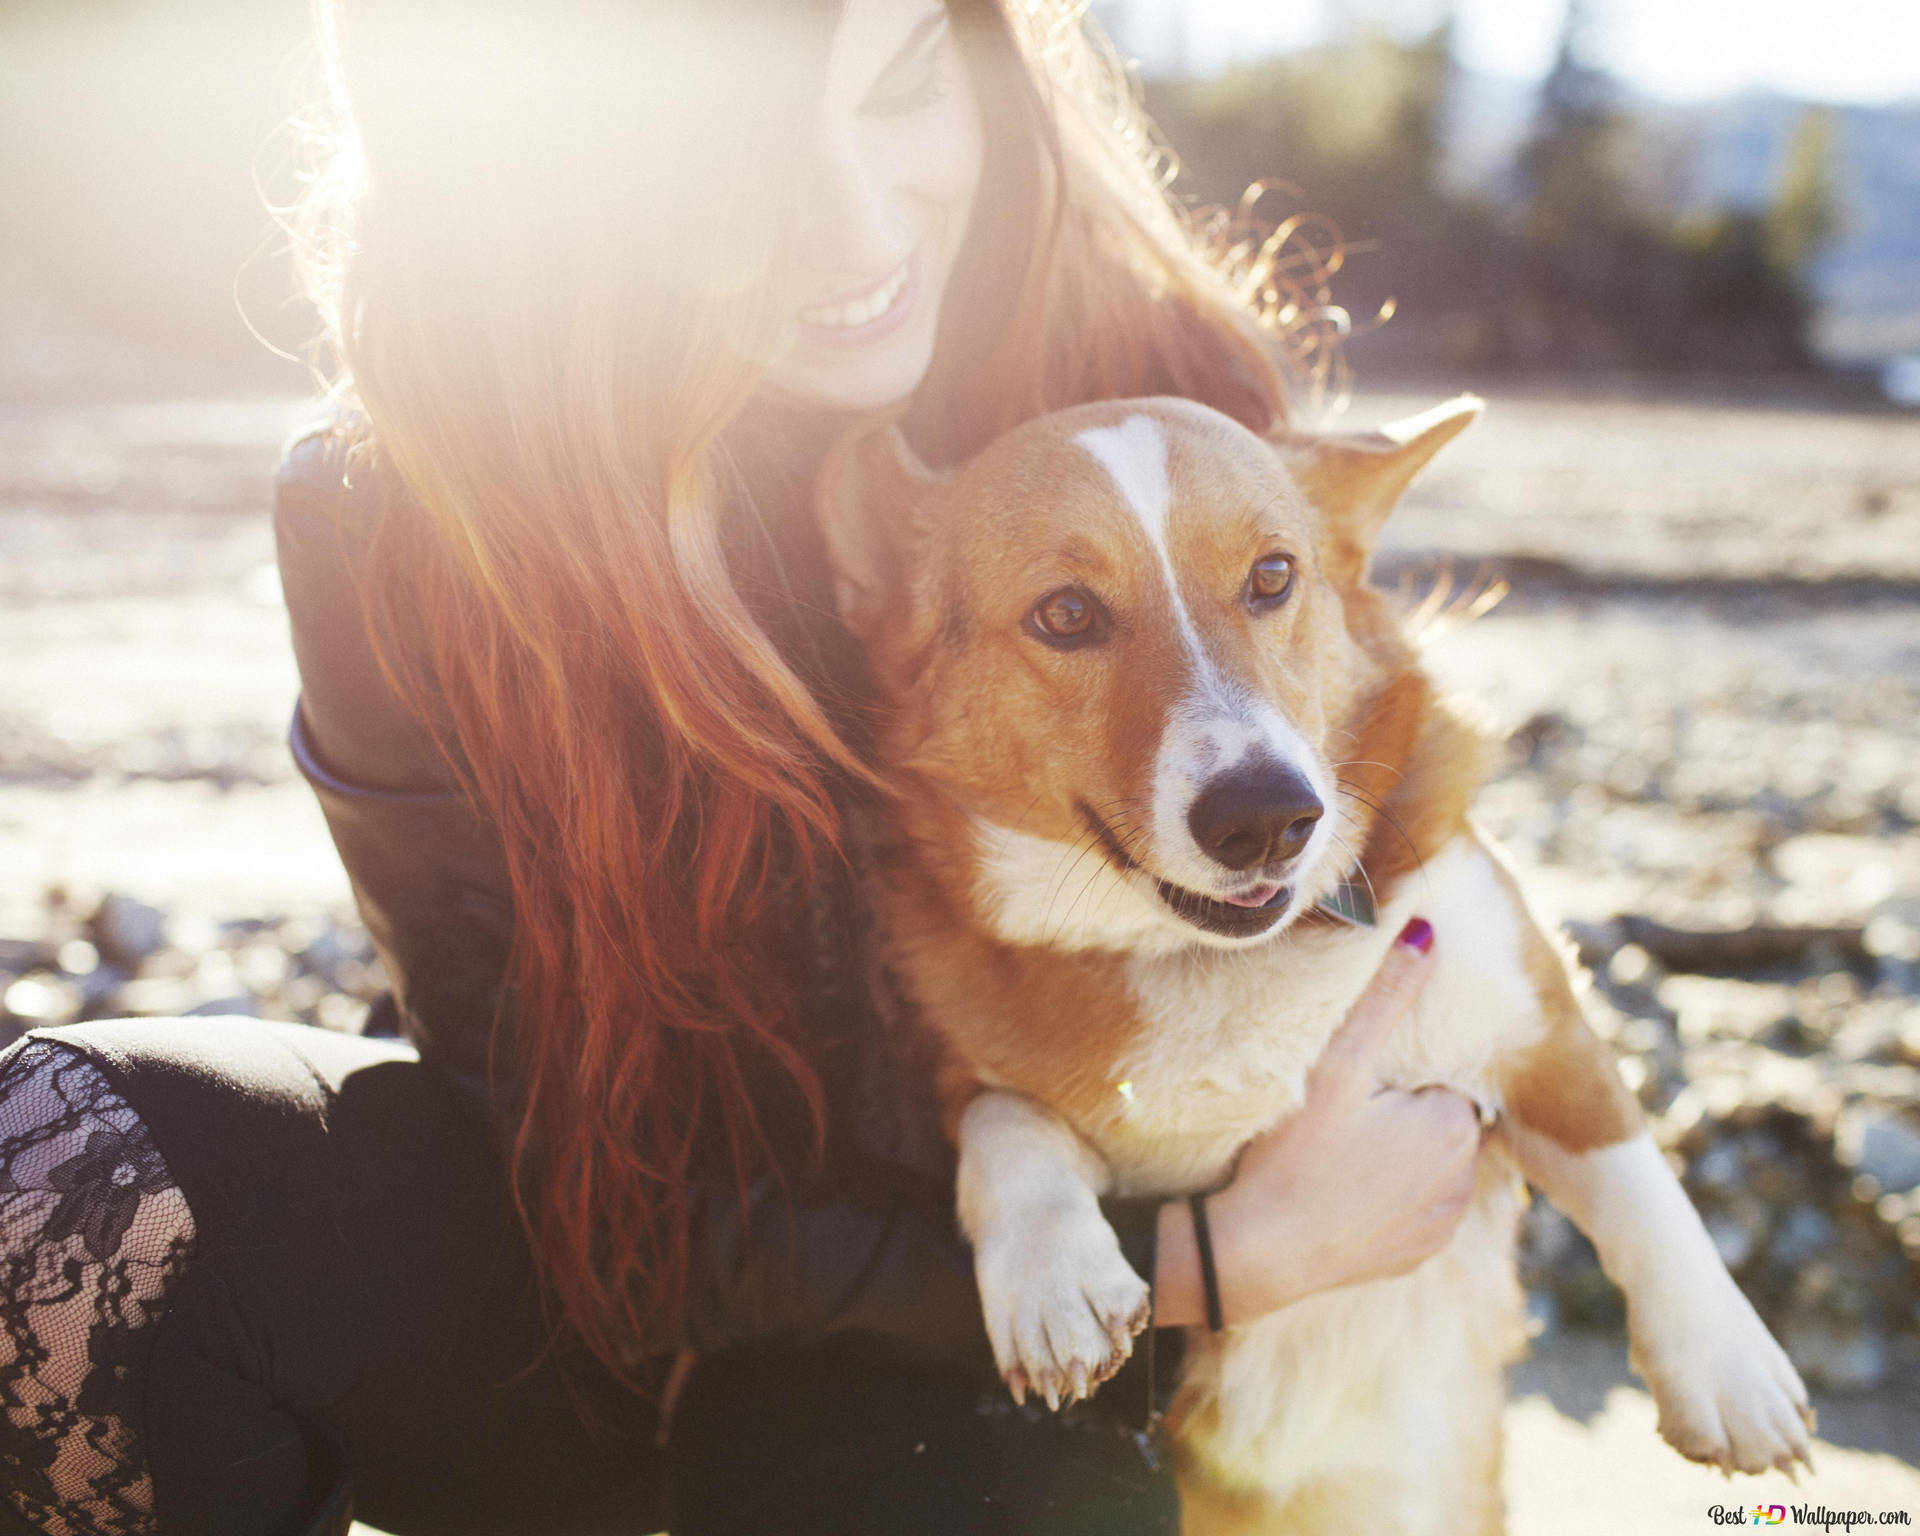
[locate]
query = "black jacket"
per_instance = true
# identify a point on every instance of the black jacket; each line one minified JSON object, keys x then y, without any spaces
{"x":867,"y":1253}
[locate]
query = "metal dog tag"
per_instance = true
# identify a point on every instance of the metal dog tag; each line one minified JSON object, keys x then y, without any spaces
{"x":1351,"y":903}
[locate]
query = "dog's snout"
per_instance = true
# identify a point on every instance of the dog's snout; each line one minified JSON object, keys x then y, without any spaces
{"x":1255,"y":815}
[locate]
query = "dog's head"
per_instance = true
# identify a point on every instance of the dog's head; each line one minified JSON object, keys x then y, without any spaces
{"x":1124,"y":654}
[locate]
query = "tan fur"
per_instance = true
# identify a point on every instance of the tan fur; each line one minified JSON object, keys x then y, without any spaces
{"x":1567,"y":1086}
{"x":1041,"y":798}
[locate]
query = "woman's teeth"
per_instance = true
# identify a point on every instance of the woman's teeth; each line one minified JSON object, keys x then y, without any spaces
{"x":860,"y":311}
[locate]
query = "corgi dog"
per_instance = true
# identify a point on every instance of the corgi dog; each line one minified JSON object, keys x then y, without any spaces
{"x":1152,"y":730}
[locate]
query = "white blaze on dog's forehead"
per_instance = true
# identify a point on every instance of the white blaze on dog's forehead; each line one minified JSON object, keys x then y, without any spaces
{"x":1134,"y":455}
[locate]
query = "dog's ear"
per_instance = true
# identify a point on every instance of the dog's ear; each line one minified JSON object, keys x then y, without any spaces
{"x":870,"y":496}
{"x":1357,"y":478}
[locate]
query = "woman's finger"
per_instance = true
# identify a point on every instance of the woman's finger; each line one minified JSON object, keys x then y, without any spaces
{"x":1456,"y":1120}
{"x":1395,"y":986}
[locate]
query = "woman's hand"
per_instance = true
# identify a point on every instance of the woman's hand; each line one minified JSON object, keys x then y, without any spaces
{"x":1363,"y":1182}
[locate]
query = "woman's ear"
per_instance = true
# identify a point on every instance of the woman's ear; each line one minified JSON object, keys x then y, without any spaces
{"x":1356,"y":479}
{"x":871,"y":498}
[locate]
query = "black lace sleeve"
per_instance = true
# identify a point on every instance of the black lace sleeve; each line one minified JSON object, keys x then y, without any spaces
{"x":93,"y":1234}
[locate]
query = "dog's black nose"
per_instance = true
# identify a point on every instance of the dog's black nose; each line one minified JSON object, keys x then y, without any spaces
{"x":1256,"y":814}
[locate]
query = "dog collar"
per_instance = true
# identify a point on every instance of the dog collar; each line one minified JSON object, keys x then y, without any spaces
{"x":1351,"y":902}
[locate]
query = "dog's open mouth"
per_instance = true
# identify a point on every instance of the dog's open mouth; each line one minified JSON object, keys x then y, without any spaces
{"x":1232,"y":919}
{"x":1253,"y":912}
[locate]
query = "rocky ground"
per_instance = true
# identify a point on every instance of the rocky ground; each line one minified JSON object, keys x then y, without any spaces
{"x":1707,"y":666}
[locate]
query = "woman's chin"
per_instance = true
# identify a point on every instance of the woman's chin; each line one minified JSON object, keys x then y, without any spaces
{"x":855,"y":379}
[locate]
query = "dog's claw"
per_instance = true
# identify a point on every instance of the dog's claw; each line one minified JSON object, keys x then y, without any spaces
{"x":1062,"y":1306}
{"x":1124,"y":1330}
{"x":1017,"y":1385}
{"x":1726,"y":1392}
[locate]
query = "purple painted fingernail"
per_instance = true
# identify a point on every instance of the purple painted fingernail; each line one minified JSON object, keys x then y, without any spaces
{"x":1417,"y":935}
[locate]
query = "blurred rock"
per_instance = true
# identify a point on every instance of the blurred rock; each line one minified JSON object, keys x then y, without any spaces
{"x":1883,"y":1146}
{"x":18,"y":956}
{"x":156,"y":997}
{"x":39,"y":999}
{"x":1803,"y":1234}
{"x":126,"y":930}
{"x":242,"y":1004}
{"x":337,"y":1011}
{"x":1835,"y":1356}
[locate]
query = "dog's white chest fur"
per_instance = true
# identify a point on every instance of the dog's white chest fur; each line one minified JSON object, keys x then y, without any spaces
{"x":1224,"y":1049}
{"x":1227,"y":1039}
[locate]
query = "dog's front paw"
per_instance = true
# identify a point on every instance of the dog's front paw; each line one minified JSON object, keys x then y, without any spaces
{"x":1726,"y":1391}
{"x":1062,"y":1304}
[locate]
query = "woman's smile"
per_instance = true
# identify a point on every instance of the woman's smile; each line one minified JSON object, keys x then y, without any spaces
{"x":865,"y":315}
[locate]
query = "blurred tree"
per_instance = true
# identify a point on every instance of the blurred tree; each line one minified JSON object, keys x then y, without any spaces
{"x":1354,"y":130}
{"x":1359,"y":124}
{"x":1805,"y":216}
{"x":1570,"y":165}
{"x":1740,"y":308}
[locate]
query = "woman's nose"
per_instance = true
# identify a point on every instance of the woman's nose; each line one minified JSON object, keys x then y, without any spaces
{"x":852,"y":223}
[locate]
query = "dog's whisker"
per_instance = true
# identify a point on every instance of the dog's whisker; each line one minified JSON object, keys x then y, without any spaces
{"x":1367,"y":762}
{"x":1080,"y":848}
{"x":1031,"y":804}
{"x":1068,"y":861}
{"x":1086,"y":885}
{"x":1358,"y":868}
{"x":1388,"y":817}
{"x":1073,"y":906}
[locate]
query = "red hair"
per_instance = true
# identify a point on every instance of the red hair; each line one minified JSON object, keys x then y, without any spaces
{"x":602,"y":531}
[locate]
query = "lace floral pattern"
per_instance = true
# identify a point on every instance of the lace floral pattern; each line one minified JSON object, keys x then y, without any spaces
{"x":93,"y":1233}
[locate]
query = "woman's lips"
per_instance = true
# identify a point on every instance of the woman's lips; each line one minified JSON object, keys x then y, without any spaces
{"x":865,"y":316}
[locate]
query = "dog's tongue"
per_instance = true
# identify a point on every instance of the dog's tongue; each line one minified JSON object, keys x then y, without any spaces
{"x":1259,"y":896}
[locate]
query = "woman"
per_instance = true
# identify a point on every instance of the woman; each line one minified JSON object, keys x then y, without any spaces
{"x":603,"y":280}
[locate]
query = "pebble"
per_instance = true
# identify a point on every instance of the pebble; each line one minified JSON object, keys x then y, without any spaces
{"x":241,"y":1004}
{"x":1839,"y":1358}
{"x":41,"y":999}
{"x":128,"y":930}
{"x":1883,"y":1146}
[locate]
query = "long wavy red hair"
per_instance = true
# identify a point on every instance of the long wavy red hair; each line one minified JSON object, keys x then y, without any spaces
{"x":541,"y":272}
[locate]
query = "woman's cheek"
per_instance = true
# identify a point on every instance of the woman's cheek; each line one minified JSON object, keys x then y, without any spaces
{"x":941,"y":160}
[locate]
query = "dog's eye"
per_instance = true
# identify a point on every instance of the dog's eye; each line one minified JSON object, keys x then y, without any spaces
{"x":1270,"y":580}
{"x":1065,"y":613}
{"x":1068,"y":616}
